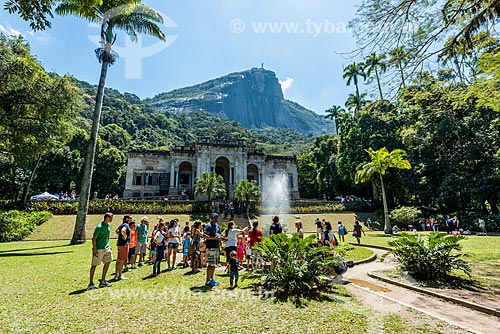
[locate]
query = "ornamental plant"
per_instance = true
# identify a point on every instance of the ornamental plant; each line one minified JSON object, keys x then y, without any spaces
{"x":298,"y":268}
{"x":432,"y":256}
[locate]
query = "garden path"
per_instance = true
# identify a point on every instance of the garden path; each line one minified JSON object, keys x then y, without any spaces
{"x":386,"y":298}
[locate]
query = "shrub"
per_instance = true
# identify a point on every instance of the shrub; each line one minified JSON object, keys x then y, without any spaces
{"x":7,"y":205}
{"x":298,"y":268}
{"x":163,"y":207}
{"x":405,"y":215}
{"x":431,"y":256}
{"x":118,"y":207}
{"x":343,"y":248}
{"x":39,"y":217}
{"x":331,"y":207}
{"x":16,"y":225}
{"x":468,"y":221}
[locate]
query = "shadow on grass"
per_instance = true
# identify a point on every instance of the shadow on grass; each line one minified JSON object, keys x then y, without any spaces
{"x":383,"y":235}
{"x":448,"y":282}
{"x":32,"y":254}
{"x":202,"y":288}
{"x":454,"y":282}
{"x":331,"y":294}
{"x":33,"y":248}
{"x":77,"y":292}
{"x":189,"y":273}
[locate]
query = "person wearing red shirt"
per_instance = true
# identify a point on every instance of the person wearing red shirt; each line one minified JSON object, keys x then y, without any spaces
{"x":255,"y":236}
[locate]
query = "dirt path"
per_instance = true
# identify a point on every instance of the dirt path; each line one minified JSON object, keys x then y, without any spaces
{"x":386,"y":298}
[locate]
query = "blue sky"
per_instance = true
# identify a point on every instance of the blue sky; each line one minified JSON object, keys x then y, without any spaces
{"x":299,"y":40}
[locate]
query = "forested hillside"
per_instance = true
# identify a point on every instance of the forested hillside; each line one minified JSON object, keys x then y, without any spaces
{"x":43,"y":149}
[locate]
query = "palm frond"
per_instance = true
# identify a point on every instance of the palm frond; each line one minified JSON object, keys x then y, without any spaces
{"x":75,"y":8}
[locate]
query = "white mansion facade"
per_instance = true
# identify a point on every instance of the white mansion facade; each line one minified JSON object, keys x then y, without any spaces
{"x":170,"y":174}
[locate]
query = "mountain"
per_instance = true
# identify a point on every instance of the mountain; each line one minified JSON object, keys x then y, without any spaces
{"x":252,"y":98}
{"x":142,"y":126}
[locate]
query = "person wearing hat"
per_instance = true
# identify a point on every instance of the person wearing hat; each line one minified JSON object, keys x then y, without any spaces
{"x":123,"y":241}
{"x":142,"y":238}
{"x":211,"y":233}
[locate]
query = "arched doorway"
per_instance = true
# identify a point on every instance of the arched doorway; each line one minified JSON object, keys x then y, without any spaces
{"x":186,"y":176}
{"x":222,"y":168}
{"x":253,"y":173}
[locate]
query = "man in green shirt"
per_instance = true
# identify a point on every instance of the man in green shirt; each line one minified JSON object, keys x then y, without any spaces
{"x":101,"y":252}
{"x":142,"y":238}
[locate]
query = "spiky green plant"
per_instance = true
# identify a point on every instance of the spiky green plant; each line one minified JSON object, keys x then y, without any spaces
{"x":298,"y":270}
{"x":432,"y":256}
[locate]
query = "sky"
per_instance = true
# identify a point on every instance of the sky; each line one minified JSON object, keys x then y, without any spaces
{"x":303,"y":41}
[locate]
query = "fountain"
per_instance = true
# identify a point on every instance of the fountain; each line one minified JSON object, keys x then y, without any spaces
{"x":276,"y":201}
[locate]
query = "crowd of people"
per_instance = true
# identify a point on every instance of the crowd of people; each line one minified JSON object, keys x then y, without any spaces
{"x":67,"y":196}
{"x":231,"y":207}
{"x":451,"y":223}
{"x":201,"y":244}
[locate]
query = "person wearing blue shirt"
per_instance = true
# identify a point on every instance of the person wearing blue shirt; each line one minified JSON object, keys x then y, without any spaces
{"x":212,"y":241}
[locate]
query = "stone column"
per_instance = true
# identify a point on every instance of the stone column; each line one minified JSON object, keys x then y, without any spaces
{"x":198,"y":167}
{"x":177,"y":177}
{"x":172,"y":173}
{"x":243,"y":168}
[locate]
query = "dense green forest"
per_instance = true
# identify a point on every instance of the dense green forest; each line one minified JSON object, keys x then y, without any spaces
{"x":426,"y":79}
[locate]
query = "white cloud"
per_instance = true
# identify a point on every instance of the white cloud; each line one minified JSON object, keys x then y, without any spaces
{"x":285,"y":84}
{"x":9,"y":31}
{"x":41,"y":36}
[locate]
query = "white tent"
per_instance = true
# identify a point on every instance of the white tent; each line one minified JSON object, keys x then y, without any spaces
{"x":44,"y":196}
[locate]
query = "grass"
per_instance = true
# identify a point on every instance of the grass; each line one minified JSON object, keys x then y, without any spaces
{"x":395,"y":324}
{"x":44,"y":292}
{"x":358,"y":253}
{"x":61,"y":227}
{"x":44,"y":295}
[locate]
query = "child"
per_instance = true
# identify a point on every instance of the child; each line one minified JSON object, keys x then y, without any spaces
{"x":233,"y":266}
{"x":241,"y":248}
{"x":186,"y":242}
{"x":131,"y":248}
{"x":249,"y":255}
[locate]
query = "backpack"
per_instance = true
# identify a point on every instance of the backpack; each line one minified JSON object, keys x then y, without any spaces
{"x":326,"y":237}
{"x":334,"y":241}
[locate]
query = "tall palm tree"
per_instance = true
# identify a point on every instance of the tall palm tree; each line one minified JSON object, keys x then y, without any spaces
{"x":332,"y":113}
{"x":209,"y":184}
{"x":355,"y":102}
{"x":400,"y":57}
{"x":351,"y":73}
{"x":380,"y":161}
{"x":374,"y":63}
{"x":248,"y":190}
{"x":133,"y":17}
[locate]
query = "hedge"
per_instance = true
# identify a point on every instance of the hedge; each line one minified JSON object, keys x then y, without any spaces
{"x":119,"y":207}
{"x":16,"y":225}
{"x":174,"y":207}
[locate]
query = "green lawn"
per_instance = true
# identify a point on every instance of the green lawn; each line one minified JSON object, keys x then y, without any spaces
{"x":42,"y":286}
{"x":482,"y":252}
{"x":61,"y":227}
